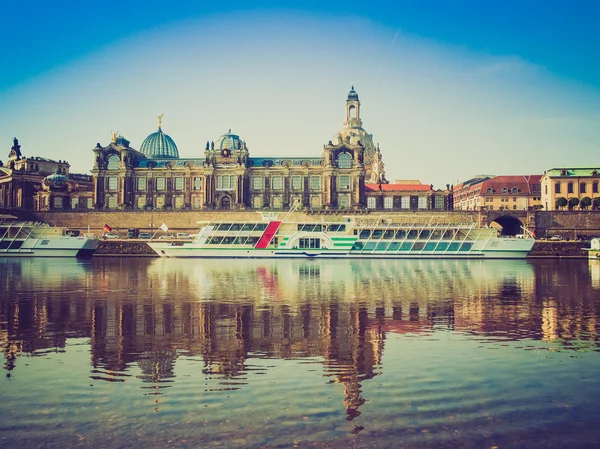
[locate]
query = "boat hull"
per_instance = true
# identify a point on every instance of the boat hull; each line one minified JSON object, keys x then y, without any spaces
{"x":63,"y":246}
{"x":190,"y":251}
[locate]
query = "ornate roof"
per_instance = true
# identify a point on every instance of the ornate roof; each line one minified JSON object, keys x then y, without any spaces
{"x":352,"y":95}
{"x":159,"y":145}
{"x":230,"y":141}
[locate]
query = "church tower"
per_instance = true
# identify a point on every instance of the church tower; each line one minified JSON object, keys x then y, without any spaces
{"x":353,"y":110}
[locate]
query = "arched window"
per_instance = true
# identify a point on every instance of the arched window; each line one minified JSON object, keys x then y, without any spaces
{"x":582,"y":187}
{"x":344,"y":161}
{"x":113,"y":162}
{"x":557,"y":187}
{"x":489,"y":191}
{"x":504,"y":190}
{"x":352,"y":111}
{"x":570,"y":187}
{"x":515,"y":190}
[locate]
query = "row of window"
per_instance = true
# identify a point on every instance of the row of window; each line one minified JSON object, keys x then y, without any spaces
{"x":412,"y":246}
{"x":344,"y":161}
{"x":422,"y":202}
{"x":75,"y":203}
{"x":534,"y":188}
{"x":411,"y":234}
{"x":570,"y":187}
{"x":228,"y":182}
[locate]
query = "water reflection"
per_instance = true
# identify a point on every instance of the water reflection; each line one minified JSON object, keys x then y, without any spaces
{"x":337,"y":314}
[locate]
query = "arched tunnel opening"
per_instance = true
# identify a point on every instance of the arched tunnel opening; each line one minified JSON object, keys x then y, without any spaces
{"x":510,"y":225}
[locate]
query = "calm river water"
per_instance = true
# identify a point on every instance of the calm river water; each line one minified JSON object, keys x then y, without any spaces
{"x":117,"y":352}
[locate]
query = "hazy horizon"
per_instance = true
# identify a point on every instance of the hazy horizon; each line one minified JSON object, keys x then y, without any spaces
{"x":441,"y":112}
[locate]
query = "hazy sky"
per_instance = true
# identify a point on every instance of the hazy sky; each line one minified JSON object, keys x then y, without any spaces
{"x":449,"y":89}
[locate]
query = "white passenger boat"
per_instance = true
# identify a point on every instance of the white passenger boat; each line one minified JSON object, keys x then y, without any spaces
{"x":355,"y":238}
{"x":594,"y":249}
{"x":29,"y":239}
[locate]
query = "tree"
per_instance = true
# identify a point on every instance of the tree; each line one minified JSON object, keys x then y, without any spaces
{"x":586,"y":202}
{"x":561,"y":202}
{"x":596,"y":202}
{"x":573,"y":202}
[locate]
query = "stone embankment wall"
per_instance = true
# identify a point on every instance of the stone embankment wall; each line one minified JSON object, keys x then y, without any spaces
{"x":187,"y":221}
{"x":547,"y":249}
{"x":568,"y":224}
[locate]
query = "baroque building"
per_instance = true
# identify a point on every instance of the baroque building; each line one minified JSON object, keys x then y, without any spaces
{"x":577,"y":187}
{"x":37,"y":183}
{"x":348,"y":175}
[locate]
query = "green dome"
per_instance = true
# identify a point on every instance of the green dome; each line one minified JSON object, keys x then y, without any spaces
{"x":159,"y":145}
{"x":229,"y":141}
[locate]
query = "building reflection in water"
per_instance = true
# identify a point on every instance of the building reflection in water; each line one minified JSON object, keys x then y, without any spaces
{"x":148,"y":313}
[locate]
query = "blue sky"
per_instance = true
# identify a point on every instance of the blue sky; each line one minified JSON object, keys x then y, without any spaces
{"x":448,"y":89}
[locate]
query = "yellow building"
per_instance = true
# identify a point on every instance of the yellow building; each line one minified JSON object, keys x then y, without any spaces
{"x":571,"y":188}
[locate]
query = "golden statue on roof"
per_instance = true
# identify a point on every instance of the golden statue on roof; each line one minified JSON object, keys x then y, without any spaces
{"x":160,"y":116}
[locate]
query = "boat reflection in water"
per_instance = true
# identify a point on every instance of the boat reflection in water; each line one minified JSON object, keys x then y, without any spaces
{"x":157,"y":321}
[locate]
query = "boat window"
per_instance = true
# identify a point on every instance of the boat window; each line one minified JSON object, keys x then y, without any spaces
{"x":400,"y":234}
{"x":466,"y":246}
{"x":382,"y":246}
{"x":394,"y":246}
{"x":309,"y":243}
{"x":447,"y":235}
{"x":389,"y":234}
{"x":365,"y":234}
{"x":236,"y":227}
{"x":453,"y":246}
{"x":16,"y":244}
{"x":430,"y":246}
{"x":45,"y":242}
{"x":357,"y":246}
{"x":377,"y":233}
{"x":260,"y":227}
{"x":248,"y":227}
{"x":406,"y":246}
{"x":4,"y":244}
{"x":442,"y":246}
{"x":436,"y":234}
{"x":227,"y":240}
{"x":412,"y":234}
{"x":370,"y":246}
{"x":424,"y":234}
{"x":418,"y":246}
{"x":224,"y":227}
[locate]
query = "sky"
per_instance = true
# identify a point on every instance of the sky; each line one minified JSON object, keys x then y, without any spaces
{"x":449,"y":90}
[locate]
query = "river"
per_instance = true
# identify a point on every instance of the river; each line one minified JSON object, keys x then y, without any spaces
{"x":129,"y":352}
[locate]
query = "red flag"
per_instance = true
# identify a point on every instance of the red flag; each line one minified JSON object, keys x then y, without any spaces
{"x":107,"y":228}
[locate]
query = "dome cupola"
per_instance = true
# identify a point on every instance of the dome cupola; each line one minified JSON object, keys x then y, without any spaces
{"x":159,"y":145}
{"x":229,"y":141}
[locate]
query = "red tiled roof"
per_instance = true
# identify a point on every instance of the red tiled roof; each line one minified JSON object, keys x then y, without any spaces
{"x":398,"y":187}
{"x":521,"y":182}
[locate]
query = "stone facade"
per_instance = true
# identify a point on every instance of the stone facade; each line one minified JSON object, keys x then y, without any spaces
{"x":226,"y":177}
{"x":578,"y":187}
{"x":36,"y":183}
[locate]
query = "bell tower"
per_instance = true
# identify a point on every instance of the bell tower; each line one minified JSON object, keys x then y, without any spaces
{"x":353,"y":110}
